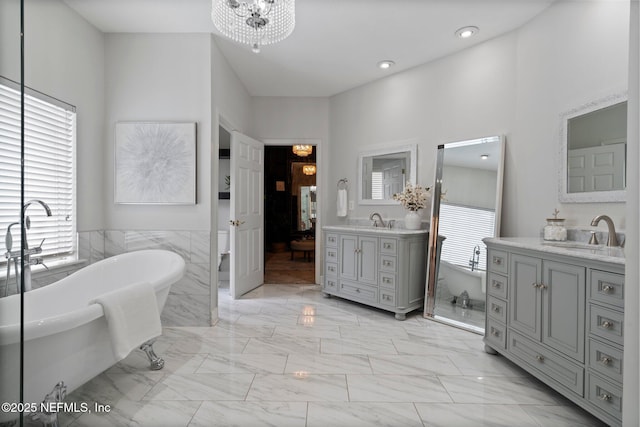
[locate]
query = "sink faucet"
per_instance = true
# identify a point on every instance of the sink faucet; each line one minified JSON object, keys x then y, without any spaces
{"x":375,"y":221}
{"x":612,"y":240}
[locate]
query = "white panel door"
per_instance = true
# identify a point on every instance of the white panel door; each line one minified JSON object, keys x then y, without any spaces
{"x":247,"y":214}
{"x":598,"y":168}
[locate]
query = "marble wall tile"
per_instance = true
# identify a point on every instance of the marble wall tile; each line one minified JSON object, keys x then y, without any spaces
{"x":84,"y":244}
{"x":97,"y":242}
{"x":194,"y":282}
{"x":200,"y":246}
{"x":175,"y":241}
{"x":114,"y":243}
{"x":186,"y":310}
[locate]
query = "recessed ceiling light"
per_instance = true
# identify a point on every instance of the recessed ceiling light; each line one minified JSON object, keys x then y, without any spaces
{"x":386,"y":64}
{"x":466,"y":32}
{"x":484,"y":156}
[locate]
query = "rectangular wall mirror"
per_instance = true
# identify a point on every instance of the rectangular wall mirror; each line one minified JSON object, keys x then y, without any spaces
{"x":466,"y":206}
{"x":593,"y":150}
{"x":384,"y":172}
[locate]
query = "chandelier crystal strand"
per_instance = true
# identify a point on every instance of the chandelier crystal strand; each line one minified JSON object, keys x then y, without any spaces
{"x":254,"y":22}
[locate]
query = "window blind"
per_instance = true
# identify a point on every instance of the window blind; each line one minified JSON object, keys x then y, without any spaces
{"x":460,"y":242}
{"x":50,"y":134}
{"x":376,"y":186}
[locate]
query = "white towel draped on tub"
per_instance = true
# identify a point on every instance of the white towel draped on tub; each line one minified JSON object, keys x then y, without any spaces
{"x":342,"y":202}
{"x":132,"y":317}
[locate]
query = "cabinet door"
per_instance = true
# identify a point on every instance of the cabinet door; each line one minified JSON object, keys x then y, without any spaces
{"x":563,"y":307}
{"x":368,"y":260}
{"x":348,"y":257}
{"x":525,"y":312}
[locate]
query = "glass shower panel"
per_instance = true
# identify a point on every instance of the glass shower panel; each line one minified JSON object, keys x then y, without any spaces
{"x":11,"y":298}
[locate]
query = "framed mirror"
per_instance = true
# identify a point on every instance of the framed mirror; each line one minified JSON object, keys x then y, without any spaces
{"x":593,"y":152}
{"x":384,"y":172}
{"x":466,"y":205}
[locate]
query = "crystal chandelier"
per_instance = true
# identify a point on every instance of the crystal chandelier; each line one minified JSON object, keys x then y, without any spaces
{"x":302,"y":150}
{"x":309,"y":169}
{"x":254,"y":22}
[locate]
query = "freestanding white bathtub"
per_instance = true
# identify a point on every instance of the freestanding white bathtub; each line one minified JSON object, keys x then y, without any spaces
{"x":459,"y":279}
{"x":66,"y":338}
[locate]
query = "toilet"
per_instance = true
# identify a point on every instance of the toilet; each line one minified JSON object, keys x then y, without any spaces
{"x":223,"y":245}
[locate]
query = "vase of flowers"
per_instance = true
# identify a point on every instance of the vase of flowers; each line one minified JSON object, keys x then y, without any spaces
{"x":413,"y":198}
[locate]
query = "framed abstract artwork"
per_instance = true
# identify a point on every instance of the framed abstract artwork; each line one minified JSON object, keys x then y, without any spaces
{"x":155,"y":163}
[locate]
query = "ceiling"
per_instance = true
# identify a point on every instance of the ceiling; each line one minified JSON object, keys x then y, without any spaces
{"x":336,"y":43}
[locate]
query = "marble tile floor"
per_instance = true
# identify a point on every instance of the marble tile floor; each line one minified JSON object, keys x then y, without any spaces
{"x":286,"y":356}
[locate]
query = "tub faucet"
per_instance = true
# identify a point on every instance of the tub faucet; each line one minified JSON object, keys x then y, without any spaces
{"x":375,"y":221}
{"x":612,"y":240}
{"x":475,"y":258}
{"x":27,"y":262}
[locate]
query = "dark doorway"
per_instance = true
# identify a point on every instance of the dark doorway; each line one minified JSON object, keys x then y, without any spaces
{"x":290,"y":214}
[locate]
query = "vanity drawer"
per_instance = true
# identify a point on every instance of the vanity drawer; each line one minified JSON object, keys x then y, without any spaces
{"x":359,"y":292}
{"x":496,"y":334}
{"x":388,"y":297}
{"x":605,"y":395}
{"x":606,"y":323}
{"x":497,"y":261}
{"x":331,"y":255}
{"x":606,"y":360}
{"x":331,"y":269}
{"x":388,"y":246}
{"x":553,"y":367}
{"x":331,"y":240}
{"x":497,"y":285}
{"x":330,"y":285}
{"x":388,"y":280}
{"x":497,"y":309}
{"x":607,"y":288}
{"x":388,"y":263}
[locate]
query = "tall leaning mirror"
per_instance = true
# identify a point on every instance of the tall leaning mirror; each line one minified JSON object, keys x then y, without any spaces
{"x":466,"y":206}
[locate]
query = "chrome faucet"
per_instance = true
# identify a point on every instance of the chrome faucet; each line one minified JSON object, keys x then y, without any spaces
{"x":612,"y":240}
{"x":375,"y":221}
{"x":475,"y":258}
{"x":27,"y":262}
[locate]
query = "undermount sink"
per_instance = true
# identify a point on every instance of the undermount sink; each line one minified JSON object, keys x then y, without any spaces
{"x":614,"y":251}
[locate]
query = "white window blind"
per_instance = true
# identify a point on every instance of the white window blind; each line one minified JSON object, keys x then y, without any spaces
{"x":458,"y":247}
{"x":376,"y":186}
{"x":50,"y":134}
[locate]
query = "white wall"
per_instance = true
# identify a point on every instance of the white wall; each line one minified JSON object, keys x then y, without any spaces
{"x":517,"y":85}
{"x":159,"y":77}
{"x":64,"y":58}
{"x":631,"y":409}
{"x":463,"y":96}
{"x":574,"y":53}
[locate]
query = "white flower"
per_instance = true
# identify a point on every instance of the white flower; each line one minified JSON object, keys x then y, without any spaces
{"x":413,"y":198}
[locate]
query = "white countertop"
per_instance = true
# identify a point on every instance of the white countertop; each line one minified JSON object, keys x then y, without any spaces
{"x":614,"y":255}
{"x":372,"y":229}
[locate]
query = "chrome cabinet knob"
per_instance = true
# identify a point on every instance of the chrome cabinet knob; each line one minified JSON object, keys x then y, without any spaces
{"x":540,"y":358}
{"x":607,"y":289}
{"x":607,"y":324}
{"x":605,"y":360}
{"x":605,"y":397}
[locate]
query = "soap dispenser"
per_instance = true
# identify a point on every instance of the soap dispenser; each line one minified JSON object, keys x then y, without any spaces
{"x":555,"y":229}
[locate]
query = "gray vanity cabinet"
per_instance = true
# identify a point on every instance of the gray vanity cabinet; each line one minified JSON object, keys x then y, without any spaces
{"x":560,"y":317}
{"x":383,"y":269}
{"x":548,"y":303}
{"x":358,"y":258}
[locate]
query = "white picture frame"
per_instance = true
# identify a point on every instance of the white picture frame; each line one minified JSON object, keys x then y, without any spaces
{"x":155,"y":163}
